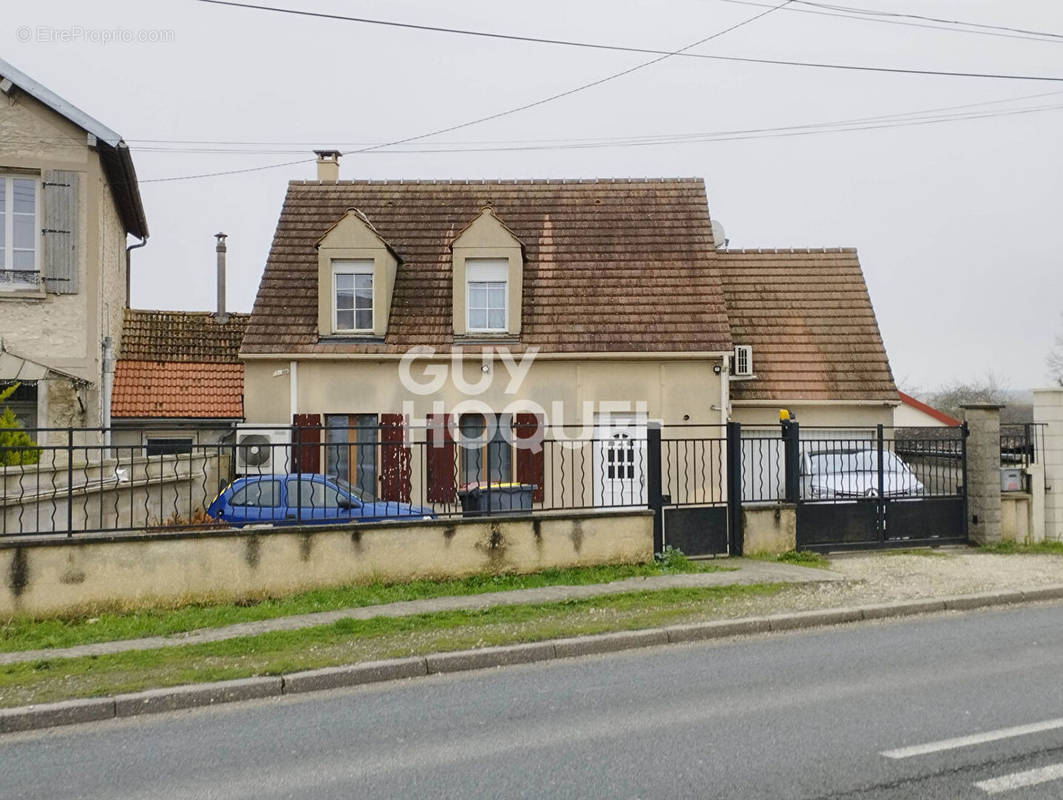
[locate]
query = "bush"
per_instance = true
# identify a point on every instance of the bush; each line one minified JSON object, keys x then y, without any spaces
{"x":671,"y":559}
{"x":16,"y":446}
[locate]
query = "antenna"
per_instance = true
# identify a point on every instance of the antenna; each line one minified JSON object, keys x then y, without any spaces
{"x":719,"y":235}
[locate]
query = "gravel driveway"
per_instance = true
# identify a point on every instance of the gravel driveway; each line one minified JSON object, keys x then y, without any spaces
{"x":881,"y":577}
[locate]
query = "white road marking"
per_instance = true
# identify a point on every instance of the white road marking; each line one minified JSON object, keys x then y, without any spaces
{"x":978,"y":738}
{"x":1017,"y":780}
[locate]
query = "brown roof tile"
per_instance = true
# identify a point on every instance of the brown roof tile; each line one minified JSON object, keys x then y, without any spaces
{"x":611,"y":265}
{"x":176,"y":390}
{"x":185,"y":336}
{"x":808,"y":316}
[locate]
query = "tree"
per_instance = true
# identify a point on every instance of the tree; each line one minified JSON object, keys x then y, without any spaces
{"x":1055,"y":360}
{"x":989,"y":389}
{"x":16,"y":446}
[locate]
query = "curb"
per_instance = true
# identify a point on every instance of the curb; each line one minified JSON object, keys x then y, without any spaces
{"x":155,"y":701}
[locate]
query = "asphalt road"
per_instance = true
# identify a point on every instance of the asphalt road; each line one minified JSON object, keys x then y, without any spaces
{"x":958,"y":706}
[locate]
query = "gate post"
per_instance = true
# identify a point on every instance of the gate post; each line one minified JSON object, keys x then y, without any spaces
{"x":653,"y":482}
{"x":735,"y":539}
{"x":983,"y":472}
{"x":791,"y":437}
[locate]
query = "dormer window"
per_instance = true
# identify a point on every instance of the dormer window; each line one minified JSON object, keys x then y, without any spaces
{"x":356,"y":279}
{"x":488,"y":274}
{"x":353,"y":296}
{"x":486,"y":280}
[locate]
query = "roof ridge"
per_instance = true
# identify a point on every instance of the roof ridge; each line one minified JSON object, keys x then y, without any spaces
{"x":784,"y":250}
{"x":495,"y":181}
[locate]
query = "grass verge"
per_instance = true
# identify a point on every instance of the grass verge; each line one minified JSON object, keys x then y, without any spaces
{"x":28,"y":634}
{"x":1041,"y":548}
{"x":351,"y":641}
{"x":803,"y":558}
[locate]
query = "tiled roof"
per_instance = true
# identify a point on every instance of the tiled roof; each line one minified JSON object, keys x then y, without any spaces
{"x":611,"y":265}
{"x":186,"y":336}
{"x":177,"y":390}
{"x":809,"y":318}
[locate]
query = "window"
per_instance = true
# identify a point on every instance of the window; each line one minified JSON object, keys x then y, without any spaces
{"x":351,"y":451}
{"x":168,"y":446}
{"x":352,"y":283}
{"x":18,"y":232}
{"x":483,"y":460}
{"x":262,"y":494}
{"x":23,"y":404}
{"x":312,"y":494}
{"x":486,"y":297}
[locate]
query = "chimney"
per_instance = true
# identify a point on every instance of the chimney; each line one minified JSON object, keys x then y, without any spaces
{"x":328,"y":165}
{"x":221,"y":316}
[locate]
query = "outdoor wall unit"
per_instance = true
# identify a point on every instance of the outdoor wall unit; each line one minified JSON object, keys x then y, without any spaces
{"x":743,"y":361}
{"x":263,"y":450}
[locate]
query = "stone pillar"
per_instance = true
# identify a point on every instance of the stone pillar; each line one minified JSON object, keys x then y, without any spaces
{"x":983,"y":472}
{"x":1048,"y":411}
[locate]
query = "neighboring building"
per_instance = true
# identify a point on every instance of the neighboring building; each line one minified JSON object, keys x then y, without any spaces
{"x":178,"y":381}
{"x":915,"y":414}
{"x":617,"y":283}
{"x":68,"y":198}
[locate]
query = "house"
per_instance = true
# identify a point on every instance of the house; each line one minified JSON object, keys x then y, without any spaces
{"x":178,"y":381}
{"x":68,"y":199}
{"x":815,"y":346}
{"x":916,"y":414}
{"x":392,"y":310}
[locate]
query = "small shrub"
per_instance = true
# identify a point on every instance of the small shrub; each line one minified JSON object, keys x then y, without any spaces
{"x":671,"y":559}
{"x":16,"y":446}
{"x":177,"y":521}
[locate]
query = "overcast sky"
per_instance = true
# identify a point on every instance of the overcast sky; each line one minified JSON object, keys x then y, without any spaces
{"x":957,"y":223}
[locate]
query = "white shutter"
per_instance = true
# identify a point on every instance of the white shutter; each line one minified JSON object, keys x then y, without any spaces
{"x":60,"y":226}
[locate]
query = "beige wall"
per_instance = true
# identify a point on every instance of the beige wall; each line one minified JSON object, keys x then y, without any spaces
{"x":768,"y":529}
{"x":905,"y":416}
{"x":65,"y":330}
{"x":671,"y":389}
{"x":811,"y":414}
{"x":487,"y":237}
{"x":64,"y":576}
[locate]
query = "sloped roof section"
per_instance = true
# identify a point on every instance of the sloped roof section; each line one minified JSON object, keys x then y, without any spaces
{"x":182,"y":336}
{"x":610,"y":265}
{"x":808,"y":316}
{"x":114,"y":152}
{"x":177,"y":390}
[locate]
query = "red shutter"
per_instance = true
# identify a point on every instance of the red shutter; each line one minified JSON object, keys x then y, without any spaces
{"x":394,"y":459}
{"x":306,"y":443}
{"x":439,"y":460}
{"x":531,"y":466}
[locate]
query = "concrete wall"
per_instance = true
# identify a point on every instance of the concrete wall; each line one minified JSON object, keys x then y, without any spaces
{"x":1016,"y":519}
{"x":64,"y":331}
{"x":769,"y":529}
{"x":1048,"y":410}
{"x":107,"y":495}
{"x":52,"y":577}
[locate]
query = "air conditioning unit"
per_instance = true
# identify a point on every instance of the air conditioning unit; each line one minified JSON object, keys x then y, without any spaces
{"x":263,"y":450}
{"x":743,"y":361}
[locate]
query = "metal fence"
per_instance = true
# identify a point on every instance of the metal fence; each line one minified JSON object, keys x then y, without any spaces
{"x":68,"y":481}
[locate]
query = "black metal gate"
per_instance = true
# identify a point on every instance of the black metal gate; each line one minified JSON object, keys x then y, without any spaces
{"x":689,"y":475}
{"x":903,"y":487}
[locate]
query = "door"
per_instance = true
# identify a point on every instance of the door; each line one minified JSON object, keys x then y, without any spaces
{"x":619,"y":461}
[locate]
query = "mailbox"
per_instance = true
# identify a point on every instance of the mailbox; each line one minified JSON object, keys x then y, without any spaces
{"x":1012,"y":480}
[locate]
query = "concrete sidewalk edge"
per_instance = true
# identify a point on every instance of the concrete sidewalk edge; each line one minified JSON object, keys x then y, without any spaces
{"x":154,"y":701}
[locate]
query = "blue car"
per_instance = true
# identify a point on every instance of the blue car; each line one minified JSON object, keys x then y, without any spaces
{"x":304,"y":499}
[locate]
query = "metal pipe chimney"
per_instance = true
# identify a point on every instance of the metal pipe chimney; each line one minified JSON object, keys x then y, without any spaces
{"x":222,"y":315}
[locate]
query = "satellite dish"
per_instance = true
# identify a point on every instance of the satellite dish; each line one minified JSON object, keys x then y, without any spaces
{"x":718,"y":234}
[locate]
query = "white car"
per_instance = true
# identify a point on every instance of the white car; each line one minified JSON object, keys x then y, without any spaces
{"x":851,"y":474}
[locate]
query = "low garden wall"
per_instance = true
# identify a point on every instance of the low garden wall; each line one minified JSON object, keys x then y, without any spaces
{"x":49,"y":576}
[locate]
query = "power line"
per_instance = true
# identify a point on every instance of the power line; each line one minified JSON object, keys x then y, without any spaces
{"x":857,"y":16}
{"x":497,"y":115}
{"x":227,"y":146}
{"x":876,"y":13}
{"x":642,"y":50}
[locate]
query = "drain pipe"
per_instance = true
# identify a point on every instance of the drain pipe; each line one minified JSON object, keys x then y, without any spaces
{"x":107,"y":390}
{"x":128,"y":263}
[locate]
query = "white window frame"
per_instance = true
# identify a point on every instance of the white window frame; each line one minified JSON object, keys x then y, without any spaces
{"x":487,"y":271}
{"x":8,"y":221}
{"x":353,"y":267}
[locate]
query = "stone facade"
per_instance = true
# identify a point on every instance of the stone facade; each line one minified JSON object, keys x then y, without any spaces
{"x":984,"y":515}
{"x":1048,"y":411}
